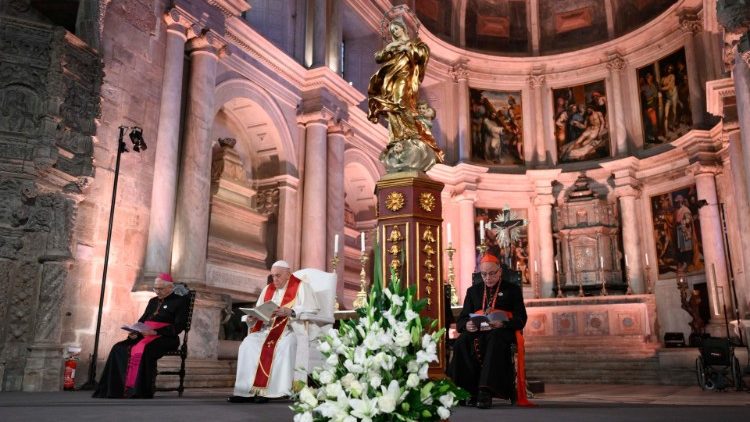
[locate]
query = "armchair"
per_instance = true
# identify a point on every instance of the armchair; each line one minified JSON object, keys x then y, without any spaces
{"x":310,"y":326}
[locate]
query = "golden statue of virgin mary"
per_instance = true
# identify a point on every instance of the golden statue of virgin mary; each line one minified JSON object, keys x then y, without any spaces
{"x":393,"y":92}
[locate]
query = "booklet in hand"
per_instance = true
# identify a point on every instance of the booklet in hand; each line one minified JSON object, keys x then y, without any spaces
{"x":478,"y":319}
{"x":138,"y":327}
{"x":262,"y":312}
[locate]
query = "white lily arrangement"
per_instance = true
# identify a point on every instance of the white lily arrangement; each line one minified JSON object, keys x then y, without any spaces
{"x":377,"y":366}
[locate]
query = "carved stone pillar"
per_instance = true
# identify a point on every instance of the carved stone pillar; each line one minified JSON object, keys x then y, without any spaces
{"x":287,"y":247}
{"x":627,"y":189}
{"x":460,"y":76}
{"x":194,"y":189}
{"x":536,"y":82}
{"x":616,"y":65}
{"x":314,"y":206}
{"x":543,"y":203}
{"x":713,"y":244}
{"x":736,"y":209}
{"x":164,"y":187}
{"x":337,"y":136}
{"x":692,"y":25}
{"x":467,"y":253}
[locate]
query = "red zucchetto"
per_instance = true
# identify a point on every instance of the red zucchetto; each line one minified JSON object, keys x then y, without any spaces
{"x":168,"y":278}
{"x":489,"y":258}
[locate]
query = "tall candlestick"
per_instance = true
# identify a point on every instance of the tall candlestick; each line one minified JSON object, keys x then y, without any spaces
{"x":450,"y":236}
{"x":626,"y":260}
{"x":557,"y":266}
{"x":646,"y":259}
{"x":362,"y":242}
{"x":481,"y":230}
{"x":601,"y":262}
{"x":535,"y":268}
{"x":336,"y":244}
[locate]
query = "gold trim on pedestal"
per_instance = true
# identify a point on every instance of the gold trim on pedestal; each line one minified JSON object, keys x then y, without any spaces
{"x":395,"y":201}
{"x":427,"y":201}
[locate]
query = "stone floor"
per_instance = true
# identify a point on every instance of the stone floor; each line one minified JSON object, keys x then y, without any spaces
{"x":560,"y":403}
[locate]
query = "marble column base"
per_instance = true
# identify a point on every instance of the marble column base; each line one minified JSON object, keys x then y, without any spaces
{"x":43,"y":369}
{"x":203,"y":340}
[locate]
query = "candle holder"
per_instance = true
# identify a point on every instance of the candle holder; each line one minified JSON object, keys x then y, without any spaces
{"x":361,"y":299}
{"x":649,"y":287}
{"x":334,"y":264}
{"x":450,"y":250}
{"x":604,"y":282}
{"x":629,"y":291}
{"x":537,"y":286}
{"x":580,"y":287}
{"x":559,"y":287}
{"x":482,"y":248}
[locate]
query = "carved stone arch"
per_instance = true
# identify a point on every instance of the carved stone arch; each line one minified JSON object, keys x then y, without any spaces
{"x":239,"y":90}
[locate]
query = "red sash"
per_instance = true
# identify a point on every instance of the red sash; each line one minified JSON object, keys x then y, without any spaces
{"x":521,"y":398}
{"x":278,"y":324}
{"x":136,"y":353}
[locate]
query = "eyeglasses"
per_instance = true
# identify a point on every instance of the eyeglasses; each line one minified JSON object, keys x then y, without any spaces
{"x":490,"y":274}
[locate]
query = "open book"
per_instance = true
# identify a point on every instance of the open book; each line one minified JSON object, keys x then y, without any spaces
{"x":480,"y":319}
{"x":262,"y":312}
{"x":138,"y":327}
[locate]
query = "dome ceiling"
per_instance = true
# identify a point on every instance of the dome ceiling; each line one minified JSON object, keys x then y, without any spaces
{"x":533,"y":27}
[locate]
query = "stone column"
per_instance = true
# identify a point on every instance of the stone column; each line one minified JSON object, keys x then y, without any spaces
{"x":314,"y":205}
{"x":543,"y":203}
{"x":712,"y":240}
{"x":741,"y":76}
{"x":691,"y":25}
{"x":741,"y":205}
{"x":194,"y":188}
{"x":467,"y":252}
{"x":287,"y":246}
{"x":337,"y":135}
{"x":616,"y":64}
{"x":460,"y":76}
{"x":536,"y":81}
{"x":164,"y":186}
{"x":627,"y":189}
{"x":193,"y":198}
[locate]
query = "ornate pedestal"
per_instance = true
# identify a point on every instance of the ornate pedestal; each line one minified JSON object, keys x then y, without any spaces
{"x":589,"y":253}
{"x":409,"y":228}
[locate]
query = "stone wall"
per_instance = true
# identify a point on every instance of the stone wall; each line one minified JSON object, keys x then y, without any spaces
{"x":49,"y":89}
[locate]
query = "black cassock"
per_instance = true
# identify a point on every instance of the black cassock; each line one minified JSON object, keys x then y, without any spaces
{"x":482,"y":359}
{"x":173,"y":309}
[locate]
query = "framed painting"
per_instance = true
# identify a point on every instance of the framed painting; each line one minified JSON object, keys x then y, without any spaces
{"x":496,"y":127}
{"x":665,"y":99}
{"x":677,"y":234}
{"x":581,"y":127}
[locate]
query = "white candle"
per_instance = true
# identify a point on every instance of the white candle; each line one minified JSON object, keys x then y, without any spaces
{"x":362,"y":238}
{"x":535,"y":269}
{"x":646,"y":259}
{"x":626,"y":260}
{"x":557,"y":266}
{"x":336,"y":244}
{"x":450,"y":236}
{"x":601,"y":262}
{"x":481,"y":230}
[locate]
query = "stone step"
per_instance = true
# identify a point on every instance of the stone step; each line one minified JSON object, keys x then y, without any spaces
{"x":199,"y":373}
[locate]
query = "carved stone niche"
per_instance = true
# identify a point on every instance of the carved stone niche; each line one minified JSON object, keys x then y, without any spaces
{"x":587,"y":231}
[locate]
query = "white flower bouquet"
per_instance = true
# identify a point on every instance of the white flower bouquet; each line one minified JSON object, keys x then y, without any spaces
{"x":376,"y":367}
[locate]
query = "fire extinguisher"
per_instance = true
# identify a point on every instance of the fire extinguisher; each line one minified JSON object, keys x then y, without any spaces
{"x":69,"y":376}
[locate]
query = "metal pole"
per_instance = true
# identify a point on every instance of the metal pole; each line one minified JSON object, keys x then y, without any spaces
{"x":91,"y":383}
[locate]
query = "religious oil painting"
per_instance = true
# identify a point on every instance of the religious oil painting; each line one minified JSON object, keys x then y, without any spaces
{"x":506,"y":236}
{"x":581,"y":127}
{"x":496,"y":127}
{"x":665,"y":99}
{"x":677,"y":233}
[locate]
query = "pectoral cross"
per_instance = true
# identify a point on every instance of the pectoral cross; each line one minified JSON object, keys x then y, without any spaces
{"x":507,"y":226}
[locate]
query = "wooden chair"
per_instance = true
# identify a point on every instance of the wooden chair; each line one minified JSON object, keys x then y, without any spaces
{"x":182,"y":352}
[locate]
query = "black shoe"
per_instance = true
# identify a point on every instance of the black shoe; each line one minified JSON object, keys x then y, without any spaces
{"x":470,"y":402}
{"x":484,"y":401}
{"x":240,"y":399}
{"x":261,"y":399}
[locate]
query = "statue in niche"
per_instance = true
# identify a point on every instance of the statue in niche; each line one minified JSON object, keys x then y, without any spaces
{"x":393,"y":92}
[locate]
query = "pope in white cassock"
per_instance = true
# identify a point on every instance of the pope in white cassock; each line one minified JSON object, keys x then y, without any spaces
{"x":266,"y":360}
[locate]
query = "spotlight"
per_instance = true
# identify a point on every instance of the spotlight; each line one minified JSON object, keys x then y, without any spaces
{"x":136,"y":137}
